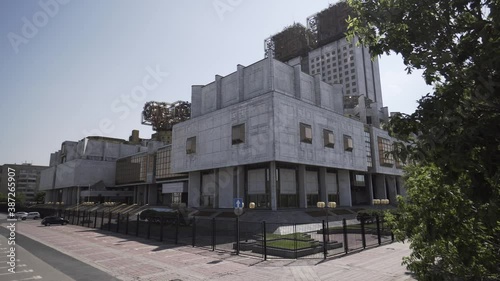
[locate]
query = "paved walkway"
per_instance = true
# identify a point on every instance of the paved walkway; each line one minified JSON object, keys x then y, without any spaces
{"x":130,"y":258}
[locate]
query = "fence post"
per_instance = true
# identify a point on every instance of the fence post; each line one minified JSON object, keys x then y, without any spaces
{"x":162,"y":222}
{"x":102,"y":220}
{"x":89,"y":220}
{"x":118,"y":223}
{"x":237,"y":235}
{"x":213,"y":234}
{"x":149,"y":229}
{"x":126,"y":225}
{"x":344,"y":229}
{"x":363,"y":238}
{"x":194,"y":231}
{"x":295,"y":239}
{"x":265,"y":239}
{"x":78,"y":218}
{"x":73,"y":217}
{"x":109,"y":220}
{"x":84,"y":216}
{"x":137,"y":227}
{"x":177,"y":229}
{"x":95,"y":219}
{"x":392,"y":236}
{"x":378,"y":230}
{"x":325,"y":246}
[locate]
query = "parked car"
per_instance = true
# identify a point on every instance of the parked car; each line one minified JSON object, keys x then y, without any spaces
{"x":54,"y":220}
{"x":24,"y":215}
{"x":21,"y":215}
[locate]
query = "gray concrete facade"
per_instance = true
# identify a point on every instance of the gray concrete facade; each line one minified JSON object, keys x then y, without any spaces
{"x":273,"y":100}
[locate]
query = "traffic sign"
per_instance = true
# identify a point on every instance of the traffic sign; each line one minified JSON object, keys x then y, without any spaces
{"x":238,"y":203}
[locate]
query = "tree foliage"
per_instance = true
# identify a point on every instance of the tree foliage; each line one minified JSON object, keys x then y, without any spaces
{"x":451,"y":214}
{"x":40,"y":197}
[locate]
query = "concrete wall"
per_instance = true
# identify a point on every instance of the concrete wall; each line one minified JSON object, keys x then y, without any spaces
{"x":213,"y":137}
{"x":260,"y":78}
{"x":46,"y":179}
{"x":289,"y":112}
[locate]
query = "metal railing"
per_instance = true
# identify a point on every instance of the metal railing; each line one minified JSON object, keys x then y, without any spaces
{"x":259,"y":239}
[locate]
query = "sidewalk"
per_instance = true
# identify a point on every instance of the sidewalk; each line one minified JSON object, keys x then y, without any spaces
{"x":131,"y":258}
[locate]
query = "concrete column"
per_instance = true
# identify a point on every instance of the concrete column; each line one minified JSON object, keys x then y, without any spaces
{"x":322,"y":185}
{"x":272,"y":181}
{"x":225,"y":187}
{"x":196,"y":100}
{"x":380,"y":187}
{"x":218,"y":91}
{"x":297,"y":69}
{"x":241,"y":82}
{"x":345,"y":198}
{"x":370,"y":189}
{"x":401,"y":184}
{"x":194,"y":189}
{"x":317,"y":89}
{"x":240,"y":182}
{"x":152,"y":194}
{"x":271,"y":82}
{"x":302,"y":186}
{"x":391,"y":186}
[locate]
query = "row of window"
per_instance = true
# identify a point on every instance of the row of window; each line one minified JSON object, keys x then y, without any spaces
{"x":306,"y":136}
{"x":328,"y":137}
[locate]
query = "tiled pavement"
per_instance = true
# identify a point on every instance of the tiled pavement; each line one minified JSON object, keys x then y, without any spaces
{"x":131,"y":258}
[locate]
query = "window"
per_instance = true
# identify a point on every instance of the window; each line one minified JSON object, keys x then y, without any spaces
{"x":305,"y":133}
{"x":368,"y":148}
{"x":329,"y":139}
{"x":359,"y":180}
{"x":238,"y":134}
{"x":384,"y":150}
{"x":191,"y":145}
{"x":348,"y":145}
{"x":368,"y":120}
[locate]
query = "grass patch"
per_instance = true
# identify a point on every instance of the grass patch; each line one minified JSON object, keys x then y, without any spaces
{"x":291,"y":244}
{"x":298,"y":236}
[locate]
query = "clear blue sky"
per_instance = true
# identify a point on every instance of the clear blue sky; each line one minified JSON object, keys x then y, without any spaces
{"x":67,"y":70}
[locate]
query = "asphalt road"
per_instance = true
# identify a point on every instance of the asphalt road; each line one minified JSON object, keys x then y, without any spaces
{"x":35,"y":261}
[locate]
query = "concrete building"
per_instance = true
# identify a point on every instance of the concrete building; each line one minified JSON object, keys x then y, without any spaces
{"x":27,"y":179}
{"x":148,"y":175}
{"x":85,"y":170}
{"x":276,"y":136}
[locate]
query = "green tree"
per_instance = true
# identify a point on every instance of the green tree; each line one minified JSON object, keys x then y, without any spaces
{"x":40,"y":197}
{"x":451,"y":215}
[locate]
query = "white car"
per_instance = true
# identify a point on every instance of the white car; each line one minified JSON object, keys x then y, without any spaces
{"x":31,"y":215}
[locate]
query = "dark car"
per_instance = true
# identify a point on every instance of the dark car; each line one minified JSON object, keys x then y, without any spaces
{"x":54,"y":220}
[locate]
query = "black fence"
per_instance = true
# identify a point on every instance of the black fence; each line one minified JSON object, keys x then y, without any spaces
{"x":259,"y":239}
